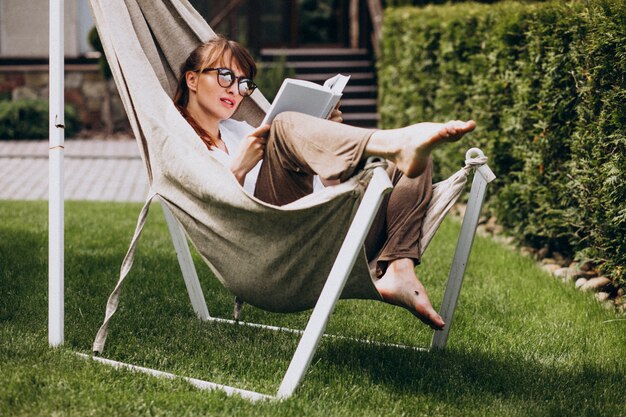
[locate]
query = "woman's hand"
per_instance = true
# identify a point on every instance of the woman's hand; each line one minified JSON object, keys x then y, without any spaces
{"x":250,"y":151}
{"x":336,"y":115}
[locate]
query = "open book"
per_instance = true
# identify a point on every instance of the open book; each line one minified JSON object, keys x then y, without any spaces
{"x":307,"y":97}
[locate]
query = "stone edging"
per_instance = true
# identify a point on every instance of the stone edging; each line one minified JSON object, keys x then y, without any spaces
{"x":583,"y":276}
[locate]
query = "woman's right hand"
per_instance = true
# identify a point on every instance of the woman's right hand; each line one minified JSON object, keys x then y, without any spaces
{"x":250,"y":151}
{"x":336,"y":115}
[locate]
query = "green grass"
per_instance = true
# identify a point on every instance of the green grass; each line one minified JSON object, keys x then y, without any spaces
{"x":522,"y":343}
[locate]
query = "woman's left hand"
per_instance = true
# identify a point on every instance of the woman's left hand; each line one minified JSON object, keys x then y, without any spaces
{"x":336,"y":115}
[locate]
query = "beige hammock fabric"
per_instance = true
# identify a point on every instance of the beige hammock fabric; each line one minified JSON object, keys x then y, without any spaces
{"x":276,"y":258}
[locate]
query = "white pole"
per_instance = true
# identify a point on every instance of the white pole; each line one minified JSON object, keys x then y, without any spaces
{"x":55,"y":178}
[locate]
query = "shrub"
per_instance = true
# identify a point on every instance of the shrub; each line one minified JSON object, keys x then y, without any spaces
{"x":271,"y":75}
{"x":94,"y":40}
{"x":28,"y":119}
{"x":397,"y":3}
{"x":546,"y":84}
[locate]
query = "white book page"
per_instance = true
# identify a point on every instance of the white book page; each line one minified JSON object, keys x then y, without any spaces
{"x":300,"y":96}
{"x":307,"y":97}
{"x":336,"y":84}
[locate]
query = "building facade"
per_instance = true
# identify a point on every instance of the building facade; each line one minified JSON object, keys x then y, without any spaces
{"x":24,"y":28}
{"x":259,"y":24}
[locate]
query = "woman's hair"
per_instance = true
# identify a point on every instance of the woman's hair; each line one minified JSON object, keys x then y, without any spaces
{"x":209,"y":54}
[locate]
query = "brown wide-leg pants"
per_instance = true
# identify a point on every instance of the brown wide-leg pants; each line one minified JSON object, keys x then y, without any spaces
{"x":301,"y":146}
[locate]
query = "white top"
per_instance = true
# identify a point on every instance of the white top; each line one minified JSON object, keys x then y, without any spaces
{"x":232,"y":133}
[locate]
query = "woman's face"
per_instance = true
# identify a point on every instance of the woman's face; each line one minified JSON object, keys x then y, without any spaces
{"x":213,"y":100}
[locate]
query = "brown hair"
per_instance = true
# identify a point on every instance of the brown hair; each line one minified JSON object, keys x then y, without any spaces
{"x":206,"y":55}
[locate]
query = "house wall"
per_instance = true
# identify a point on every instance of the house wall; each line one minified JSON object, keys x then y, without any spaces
{"x":95,"y":100}
{"x":24,"y":50}
{"x":24,"y":28}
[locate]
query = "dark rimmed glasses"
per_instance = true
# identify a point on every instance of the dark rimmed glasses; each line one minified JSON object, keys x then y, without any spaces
{"x":226,"y":77}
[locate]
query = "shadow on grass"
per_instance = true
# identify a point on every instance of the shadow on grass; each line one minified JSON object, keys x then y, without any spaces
{"x":155,"y":299}
{"x":23,"y":258}
{"x":476,"y":377}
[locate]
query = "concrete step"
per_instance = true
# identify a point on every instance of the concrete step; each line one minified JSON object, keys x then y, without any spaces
{"x":358,"y":105}
{"x":360,"y":91}
{"x":361,"y":119}
{"x":360,"y":79}
{"x":359,"y":102}
{"x":313,"y":66}
{"x":313,"y":54}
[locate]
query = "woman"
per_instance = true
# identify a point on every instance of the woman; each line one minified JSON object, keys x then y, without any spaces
{"x":278,"y":163}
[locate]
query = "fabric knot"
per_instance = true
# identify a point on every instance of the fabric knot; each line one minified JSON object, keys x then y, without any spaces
{"x":476,"y":161}
{"x":365,"y":175}
{"x":375,"y":162}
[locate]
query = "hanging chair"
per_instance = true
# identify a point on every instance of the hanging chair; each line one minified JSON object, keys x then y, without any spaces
{"x":310,"y":247}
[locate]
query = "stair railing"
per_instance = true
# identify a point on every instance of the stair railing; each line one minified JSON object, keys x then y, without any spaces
{"x":375,"y":8}
{"x":227,"y":11}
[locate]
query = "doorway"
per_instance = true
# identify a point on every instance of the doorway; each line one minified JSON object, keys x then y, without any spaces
{"x":298,"y":23}
{"x":280,"y":23}
{"x":321,"y":23}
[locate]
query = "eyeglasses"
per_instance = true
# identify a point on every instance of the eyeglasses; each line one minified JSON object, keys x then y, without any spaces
{"x":226,"y":78}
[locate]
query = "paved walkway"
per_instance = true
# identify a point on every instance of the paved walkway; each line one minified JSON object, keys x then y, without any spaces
{"x":95,"y":169}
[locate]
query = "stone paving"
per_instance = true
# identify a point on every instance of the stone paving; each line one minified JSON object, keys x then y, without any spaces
{"x":95,"y":169}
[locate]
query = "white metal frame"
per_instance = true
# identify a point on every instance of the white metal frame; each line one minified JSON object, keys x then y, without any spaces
{"x":344,"y":263}
{"x":482,"y":176}
{"x":335,"y":283}
{"x":348,"y":253}
{"x":333,"y":287}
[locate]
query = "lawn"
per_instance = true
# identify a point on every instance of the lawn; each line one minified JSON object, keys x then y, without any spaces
{"x":522,"y":343}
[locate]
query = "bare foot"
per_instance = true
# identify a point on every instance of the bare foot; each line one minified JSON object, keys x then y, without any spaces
{"x":400,"y":286}
{"x":409,"y":147}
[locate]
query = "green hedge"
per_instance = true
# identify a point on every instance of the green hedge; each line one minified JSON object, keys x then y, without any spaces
{"x":271,"y":75}
{"x":399,"y":3}
{"x":29,"y":119}
{"x":546,"y":84}
{"x":402,"y":3}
